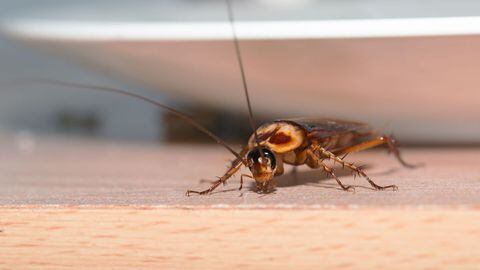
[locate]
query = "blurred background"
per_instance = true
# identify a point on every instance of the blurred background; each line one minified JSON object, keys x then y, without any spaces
{"x":407,"y":67}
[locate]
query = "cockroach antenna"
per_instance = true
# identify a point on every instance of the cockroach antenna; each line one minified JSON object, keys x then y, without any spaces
{"x":185,"y":117}
{"x":242,"y":73}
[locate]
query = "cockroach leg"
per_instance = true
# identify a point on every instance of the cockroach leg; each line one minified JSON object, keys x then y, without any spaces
{"x":207,"y":191}
{"x":236,"y":164}
{"x":392,"y":146}
{"x":241,"y":180}
{"x":328,"y":170}
{"x":387,"y":140}
{"x":352,"y":167}
{"x":280,"y":168}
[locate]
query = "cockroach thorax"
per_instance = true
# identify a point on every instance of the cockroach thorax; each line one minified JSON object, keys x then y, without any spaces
{"x":280,"y":137}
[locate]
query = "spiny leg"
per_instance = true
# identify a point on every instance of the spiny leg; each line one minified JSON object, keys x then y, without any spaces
{"x":230,"y":172}
{"x":352,"y":167}
{"x":327,"y":169}
{"x":392,"y":146}
{"x":209,"y":190}
{"x":330,"y":171}
{"x":387,"y":140}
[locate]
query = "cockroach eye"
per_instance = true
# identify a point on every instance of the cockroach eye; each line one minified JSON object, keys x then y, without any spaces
{"x":255,"y":157}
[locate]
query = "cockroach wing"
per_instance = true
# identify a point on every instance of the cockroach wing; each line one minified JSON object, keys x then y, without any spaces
{"x":321,"y":128}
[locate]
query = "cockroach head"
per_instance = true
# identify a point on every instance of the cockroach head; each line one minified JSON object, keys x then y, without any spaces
{"x":262,"y":164}
{"x":256,"y":158}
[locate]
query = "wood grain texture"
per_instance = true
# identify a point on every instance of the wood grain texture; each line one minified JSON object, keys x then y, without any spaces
{"x":152,"y":238}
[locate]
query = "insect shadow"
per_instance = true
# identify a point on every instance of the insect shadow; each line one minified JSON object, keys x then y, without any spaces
{"x":318,"y":178}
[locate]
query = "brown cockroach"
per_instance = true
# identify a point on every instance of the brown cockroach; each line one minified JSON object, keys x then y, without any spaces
{"x":289,"y":141}
{"x":305,"y":141}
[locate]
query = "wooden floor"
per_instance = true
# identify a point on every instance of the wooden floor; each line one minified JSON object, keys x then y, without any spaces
{"x":69,"y":204}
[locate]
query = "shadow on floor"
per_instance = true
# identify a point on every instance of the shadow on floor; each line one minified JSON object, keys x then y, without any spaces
{"x":318,"y":178}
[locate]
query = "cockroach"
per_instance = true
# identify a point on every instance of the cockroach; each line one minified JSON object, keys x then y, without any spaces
{"x":301,"y":141}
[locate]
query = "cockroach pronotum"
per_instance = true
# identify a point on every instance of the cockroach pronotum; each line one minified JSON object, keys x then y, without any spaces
{"x":289,"y":141}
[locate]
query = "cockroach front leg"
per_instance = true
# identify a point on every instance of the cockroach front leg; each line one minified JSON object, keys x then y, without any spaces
{"x":241,"y":180}
{"x":230,"y":172}
{"x":318,"y":163}
{"x":327,"y":154}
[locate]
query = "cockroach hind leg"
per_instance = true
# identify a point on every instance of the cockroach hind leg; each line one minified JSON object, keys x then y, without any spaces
{"x":389,"y":141}
{"x":393,"y":148}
